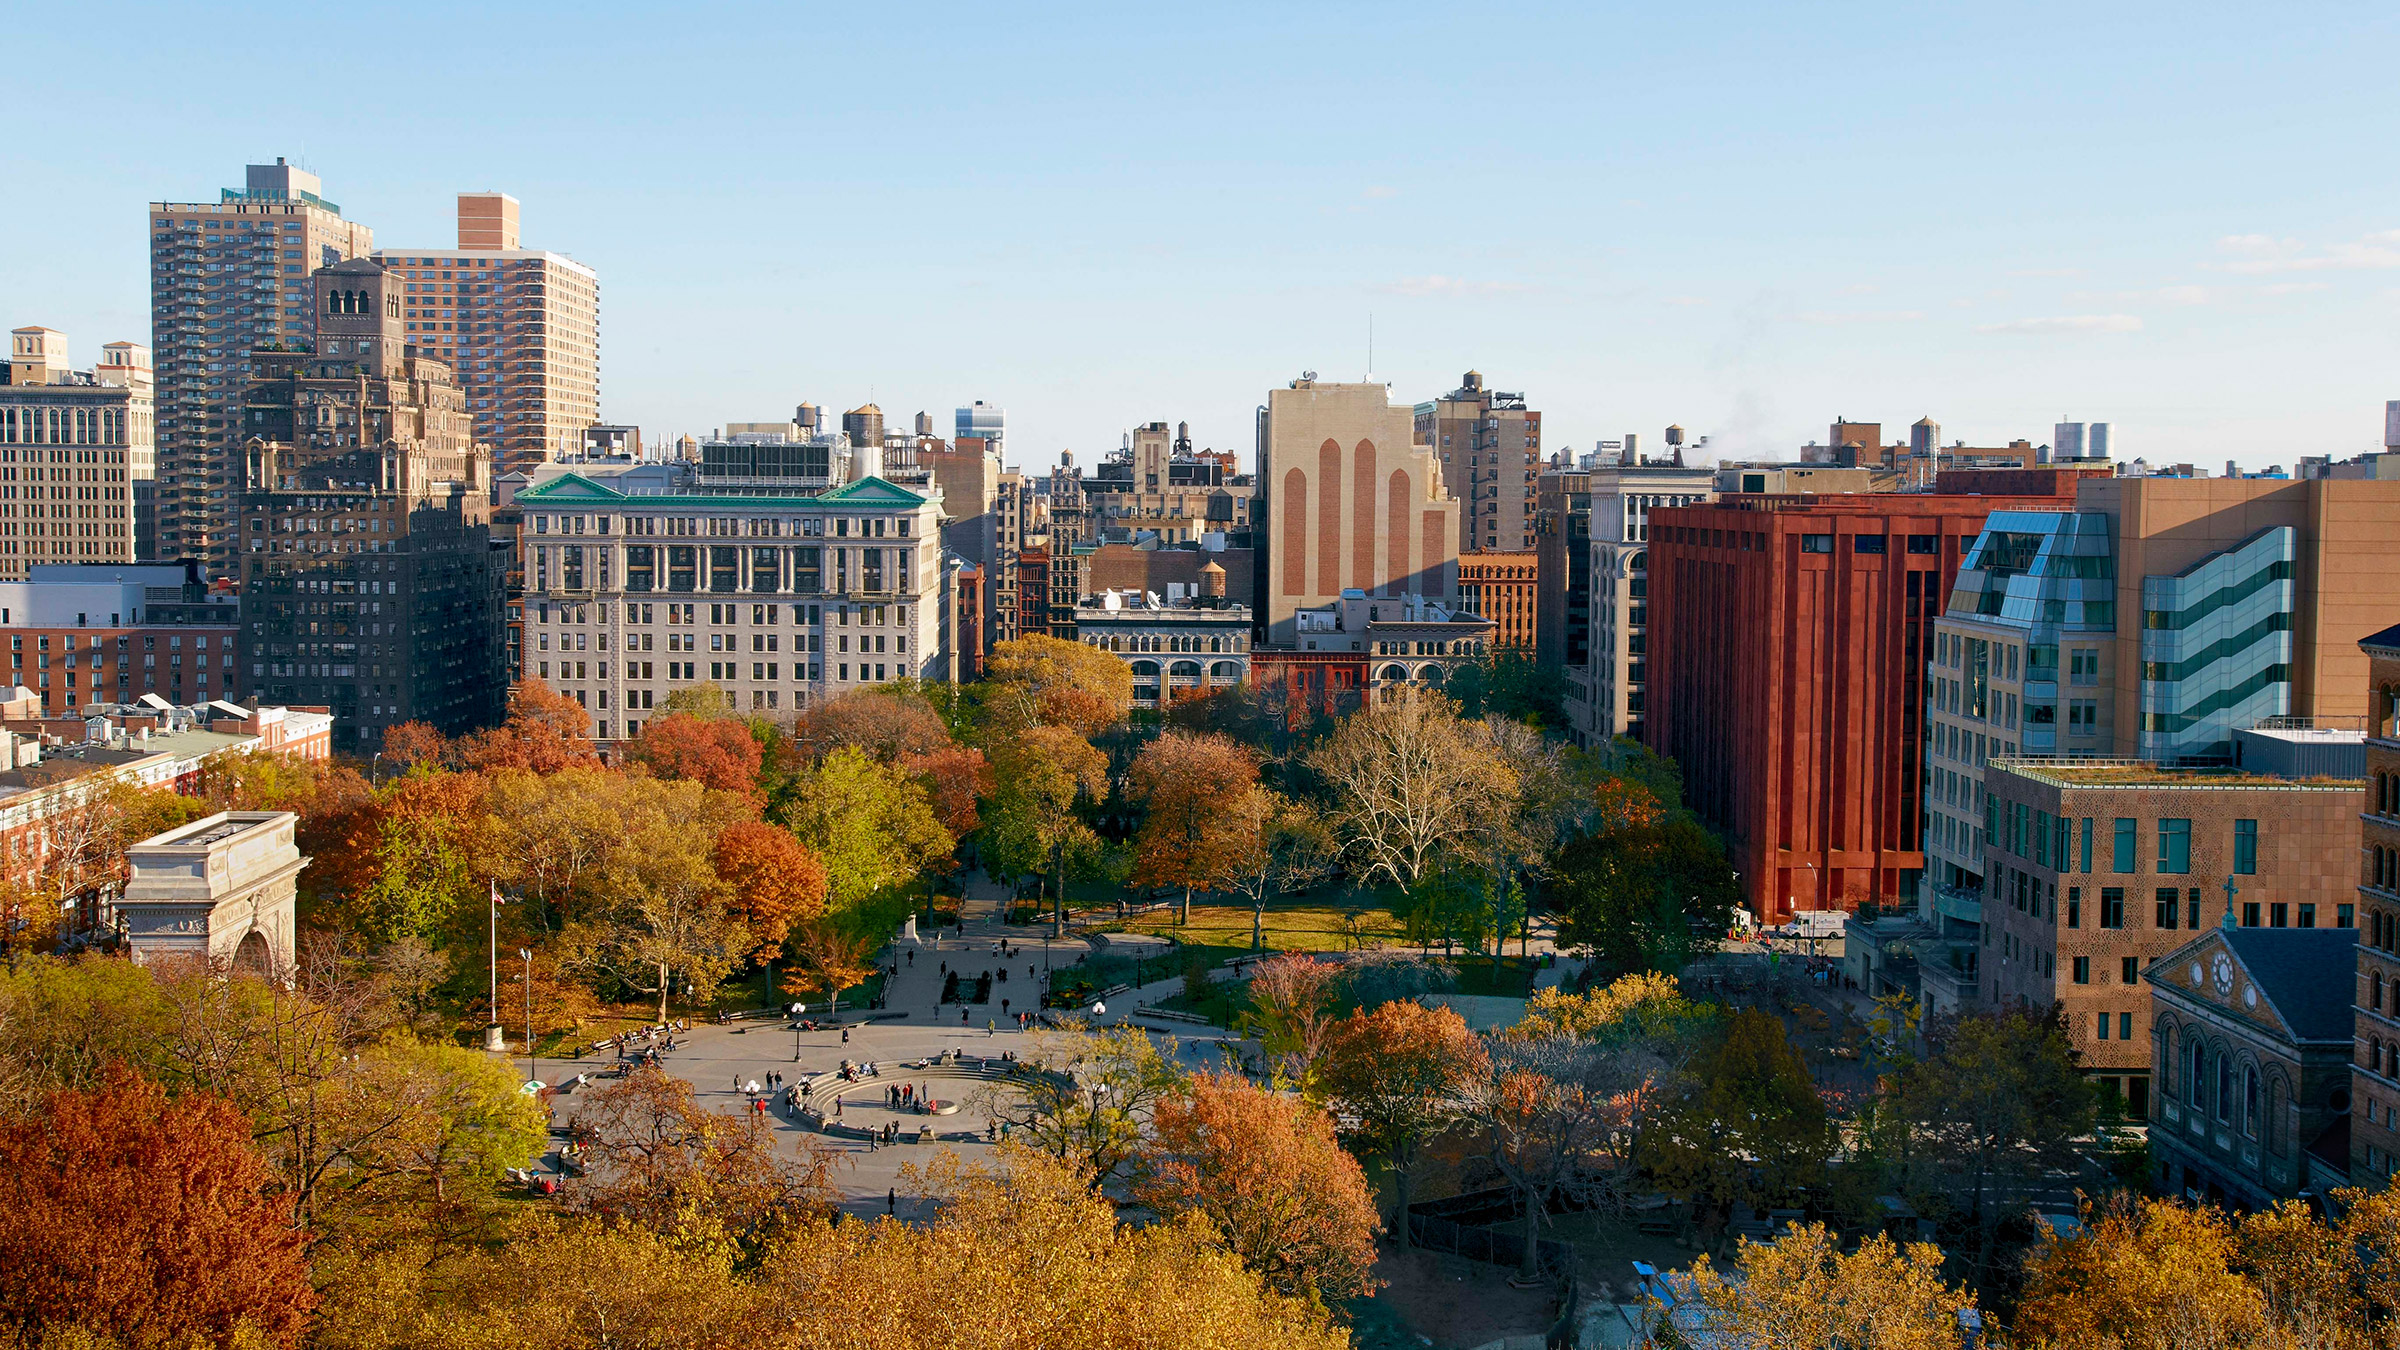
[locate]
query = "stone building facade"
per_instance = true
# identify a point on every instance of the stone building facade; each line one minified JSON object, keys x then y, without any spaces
{"x":2375,"y":1055}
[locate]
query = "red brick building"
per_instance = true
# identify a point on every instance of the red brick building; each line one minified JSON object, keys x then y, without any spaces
{"x":1787,"y":678}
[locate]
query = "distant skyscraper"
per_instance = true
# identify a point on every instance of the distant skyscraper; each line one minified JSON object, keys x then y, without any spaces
{"x":981,"y":419}
{"x":226,"y":277}
{"x":520,"y":327}
{"x":2066,"y":440}
{"x":1490,"y":448}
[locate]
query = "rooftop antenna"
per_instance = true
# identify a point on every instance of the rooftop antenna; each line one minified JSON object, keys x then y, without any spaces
{"x":1370,"y":346}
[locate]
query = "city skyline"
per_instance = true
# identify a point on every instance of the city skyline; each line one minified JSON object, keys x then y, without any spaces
{"x":1997,"y":221}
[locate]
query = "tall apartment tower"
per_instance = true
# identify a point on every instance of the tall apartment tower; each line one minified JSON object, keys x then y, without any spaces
{"x":519,"y":328}
{"x":76,"y":453}
{"x":370,"y":586}
{"x":1348,"y":500}
{"x":227,"y":277}
{"x":1490,"y":447}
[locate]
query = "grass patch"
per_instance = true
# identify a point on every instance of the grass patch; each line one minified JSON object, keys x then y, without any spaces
{"x":1307,"y":924}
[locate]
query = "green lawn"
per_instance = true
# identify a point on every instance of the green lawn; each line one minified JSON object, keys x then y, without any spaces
{"x":1308,"y":924}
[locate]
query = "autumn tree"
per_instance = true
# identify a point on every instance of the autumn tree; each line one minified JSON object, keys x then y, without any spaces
{"x":1288,"y":848}
{"x":891,"y":726}
{"x":1544,"y":1112}
{"x":1803,"y":1290}
{"x":1267,"y":1172}
{"x":706,"y":700}
{"x":1640,"y":1004}
{"x":717,"y":752}
{"x":1749,"y":1126}
{"x":1635,"y":889}
{"x":408,"y":744}
{"x":1041,"y":774}
{"x":2140,"y":1275}
{"x":662,"y":915}
{"x":1047,"y":681}
{"x":146,"y":1220}
{"x":545,"y":732}
{"x":1407,"y":781}
{"x":955,"y":778}
{"x":1989,"y":1116}
{"x":1200,"y":819}
{"x":774,"y":881}
{"x":665,"y":1161}
{"x":1294,"y":997}
{"x":870,"y":824}
{"x":1086,"y":1094}
{"x":1397,"y":1077}
{"x":833,"y":961}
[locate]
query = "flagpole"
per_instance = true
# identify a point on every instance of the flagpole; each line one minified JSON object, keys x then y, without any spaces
{"x":495,"y":953}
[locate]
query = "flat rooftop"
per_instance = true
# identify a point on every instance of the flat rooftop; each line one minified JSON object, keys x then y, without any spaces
{"x":2088,"y":773}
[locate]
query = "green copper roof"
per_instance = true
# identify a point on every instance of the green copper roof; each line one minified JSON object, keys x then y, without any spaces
{"x":573,"y":489}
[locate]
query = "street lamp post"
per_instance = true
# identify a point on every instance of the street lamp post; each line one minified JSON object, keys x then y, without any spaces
{"x":375,"y":770}
{"x":531,"y":1064}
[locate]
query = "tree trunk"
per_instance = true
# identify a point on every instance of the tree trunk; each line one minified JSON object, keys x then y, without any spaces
{"x":1533,"y":1236}
{"x":1258,"y":922}
{"x":1406,"y":1166}
{"x":662,"y":1004}
{"x":1186,"y":920}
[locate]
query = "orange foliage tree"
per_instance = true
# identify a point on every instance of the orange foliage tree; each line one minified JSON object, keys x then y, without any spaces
{"x":409,"y":744}
{"x":545,"y":732}
{"x":1400,"y":1075}
{"x":147,"y":1221}
{"x":717,"y":752}
{"x":775,"y":881}
{"x":889,"y":725}
{"x":1193,"y":837}
{"x":955,"y":778}
{"x":1266,"y":1171}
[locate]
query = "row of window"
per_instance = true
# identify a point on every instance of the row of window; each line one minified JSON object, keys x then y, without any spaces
{"x":2066,"y":845}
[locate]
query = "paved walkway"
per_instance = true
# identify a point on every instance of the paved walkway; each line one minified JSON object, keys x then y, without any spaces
{"x":722,"y":1061}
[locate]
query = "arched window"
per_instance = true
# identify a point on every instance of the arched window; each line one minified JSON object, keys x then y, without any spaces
{"x":2250,"y":1102}
{"x":1225,"y":670}
{"x":2195,"y":1080}
{"x":2224,"y":1087}
{"x":1393,"y":673}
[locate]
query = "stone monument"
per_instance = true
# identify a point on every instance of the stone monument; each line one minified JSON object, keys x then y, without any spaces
{"x":219,"y":890}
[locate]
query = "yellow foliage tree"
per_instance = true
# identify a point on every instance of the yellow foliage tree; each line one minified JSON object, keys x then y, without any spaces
{"x":1800,"y":1290}
{"x":2141,"y":1275}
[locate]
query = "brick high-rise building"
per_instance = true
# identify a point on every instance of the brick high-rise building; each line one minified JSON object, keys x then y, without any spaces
{"x":2375,"y":1067}
{"x":1490,"y":448}
{"x":1348,"y":499}
{"x":1501,"y":587}
{"x":520,"y":329}
{"x":370,"y":585}
{"x":226,"y":278}
{"x":1788,"y":638}
{"x":76,"y":454}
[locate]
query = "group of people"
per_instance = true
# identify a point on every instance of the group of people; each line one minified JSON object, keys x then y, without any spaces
{"x":908,"y":1097}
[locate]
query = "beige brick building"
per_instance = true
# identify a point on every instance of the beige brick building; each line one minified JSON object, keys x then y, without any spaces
{"x":2096,"y":869}
{"x":77,"y":454}
{"x":1490,"y":447}
{"x":2375,"y":1071}
{"x":520,"y":327}
{"x":1348,"y":500}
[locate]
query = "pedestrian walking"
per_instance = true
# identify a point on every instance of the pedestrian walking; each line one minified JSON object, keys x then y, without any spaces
{"x":845,"y":1035}
{"x":891,"y":1201}
{"x":990,"y":1028}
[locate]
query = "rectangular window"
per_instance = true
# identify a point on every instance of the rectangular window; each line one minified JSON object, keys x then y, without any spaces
{"x":2083,"y":970}
{"x":2250,"y":914}
{"x":2124,"y":1026}
{"x":2112,"y":907}
{"x":2074,"y":907}
{"x":808,"y":572}
{"x":2245,"y":848}
{"x":2308,"y":915}
{"x":2087,"y":846}
{"x":683,"y":568}
{"x":1816,"y":543}
{"x":2191,"y":909}
{"x":2167,"y":908}
{"x":2174,"y":846}
{"x":766,"y":570}
{"x":2123,"y":859}
{"x":724,"y":569}
{"x":2131,"y":973}
{"x":2279,"y":915}
{"x":641,"y":567}
{"x":2102,"y":1023}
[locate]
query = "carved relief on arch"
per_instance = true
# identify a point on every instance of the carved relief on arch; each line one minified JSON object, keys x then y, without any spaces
{"x":1329,"y":519}
{"x":1362,"y":519}
{"x":1294,"y":545}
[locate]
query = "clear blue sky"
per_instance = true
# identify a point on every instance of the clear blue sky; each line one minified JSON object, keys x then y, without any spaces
{"x":2183,"y":219}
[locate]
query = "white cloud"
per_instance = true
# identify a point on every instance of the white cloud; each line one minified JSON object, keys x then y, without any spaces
{"x":1380,"y":192}
{"x":2068,"y":323}
{"x":1684,"y":300}
{"x":2257,"y":253}
{"x":1859,"y":316}
{"x":1441,"y":285}
{"x":2294,"y":287}
{"x":2167,"y":295}
{"x":2183,"y":295}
